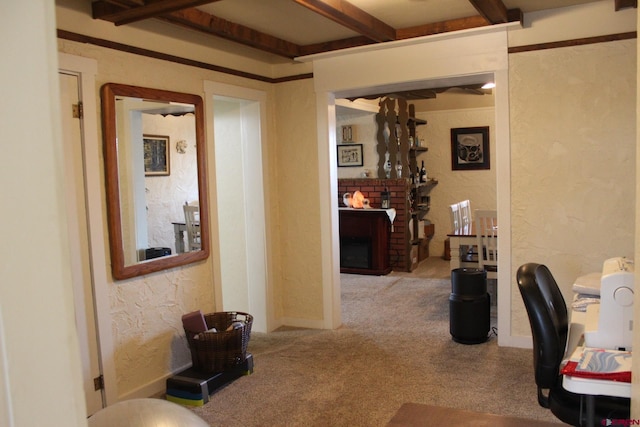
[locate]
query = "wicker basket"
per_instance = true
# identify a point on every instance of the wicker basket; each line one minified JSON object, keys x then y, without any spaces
{"x":222,"y":350}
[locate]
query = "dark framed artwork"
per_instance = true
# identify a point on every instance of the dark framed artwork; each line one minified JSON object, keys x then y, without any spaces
{"x":350,"y":155}
{"x":156,"y":155}
{"x":470,"y":148}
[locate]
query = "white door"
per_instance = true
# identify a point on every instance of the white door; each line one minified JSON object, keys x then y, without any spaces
{"x":79,"y":240}
{"x":238,"y":125}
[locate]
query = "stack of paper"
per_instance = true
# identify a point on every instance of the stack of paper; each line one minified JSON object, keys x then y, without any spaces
{"x":587,"y":362}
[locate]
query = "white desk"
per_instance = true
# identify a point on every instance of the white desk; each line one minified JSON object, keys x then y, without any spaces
{"x":590,"y":387}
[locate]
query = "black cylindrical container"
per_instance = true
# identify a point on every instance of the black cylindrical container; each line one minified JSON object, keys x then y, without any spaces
{"x":469,"y":306}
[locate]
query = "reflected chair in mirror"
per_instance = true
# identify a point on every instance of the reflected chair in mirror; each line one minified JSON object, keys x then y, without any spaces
{"x":486,"y":225}
{"x":547,"y":312}
{"x":192,"y":223}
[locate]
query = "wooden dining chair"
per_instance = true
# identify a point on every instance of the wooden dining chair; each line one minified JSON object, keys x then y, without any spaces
{"x":454,"y":211}
{"x":460,"y":225}
{"x":466,"y":223}
{"x":486,"y":225}
{"x":466,"y":220}
{"x":192,"y":222}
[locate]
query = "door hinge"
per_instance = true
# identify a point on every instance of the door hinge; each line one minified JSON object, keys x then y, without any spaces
{"x":77,"y":110}
{"x":98,"y":383}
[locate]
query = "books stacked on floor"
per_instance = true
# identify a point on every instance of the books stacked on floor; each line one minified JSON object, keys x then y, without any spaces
{"x":193,"y":388}
{"x":187,"y":388}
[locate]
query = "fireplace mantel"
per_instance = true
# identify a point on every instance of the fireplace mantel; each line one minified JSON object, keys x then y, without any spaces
{"x":364,"y":241}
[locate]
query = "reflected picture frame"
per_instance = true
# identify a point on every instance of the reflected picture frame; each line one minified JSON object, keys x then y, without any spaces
{"x":470,"y":148}
{"x":350,"y":155}
{"x":156,"y":155}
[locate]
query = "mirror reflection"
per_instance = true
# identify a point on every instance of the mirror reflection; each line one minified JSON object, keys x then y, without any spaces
{"x":154,"y":156}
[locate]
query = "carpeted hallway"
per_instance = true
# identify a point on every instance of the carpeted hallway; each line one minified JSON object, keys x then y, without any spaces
{"x":393,"y":348}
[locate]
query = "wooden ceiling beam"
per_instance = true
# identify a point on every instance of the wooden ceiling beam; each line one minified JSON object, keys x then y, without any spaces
{"x":149,"y":10}
{"x":442,"y":27}
{"x":198,"y":20}
{"x":352,"y":17}
{"x":476,"y":21}
{"x":623,"y":4}
{"x":127,"y":3}
{"x":108,"y":9}
{"x":338,"y":10}
{"x":204,"y":22}
{"x":312,"y":49}
{"x":493,"y":11}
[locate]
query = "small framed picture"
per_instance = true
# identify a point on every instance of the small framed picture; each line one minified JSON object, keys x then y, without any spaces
{"x":470,"y":148}
{"x":156,"y":155}
{"x":350,"y":155}
{"x":348,"y":133}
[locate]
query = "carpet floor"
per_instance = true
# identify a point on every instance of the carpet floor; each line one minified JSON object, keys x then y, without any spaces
{"x":394,"y":347}
{"x":416,"y":415}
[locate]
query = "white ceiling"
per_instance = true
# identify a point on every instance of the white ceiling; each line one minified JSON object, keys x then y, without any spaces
{"x":278,"y":31}
{"x":289,"y":21}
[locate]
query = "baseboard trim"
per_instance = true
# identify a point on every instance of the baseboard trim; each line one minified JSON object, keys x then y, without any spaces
{"x":297,"y":322}
{"x":153,"y":388}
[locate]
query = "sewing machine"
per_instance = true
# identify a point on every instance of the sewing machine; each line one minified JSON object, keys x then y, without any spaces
{"x":610,"y":323}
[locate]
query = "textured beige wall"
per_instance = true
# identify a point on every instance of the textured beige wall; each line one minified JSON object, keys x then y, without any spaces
{"x":297,"y":156}
{"x":573,"y":160}
{"x":146,"y":327}
{"x":38,"y":340}
{"x":478,"y":186}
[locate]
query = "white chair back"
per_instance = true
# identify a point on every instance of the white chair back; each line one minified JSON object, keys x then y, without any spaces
{"x":456,"y":223}
{"x":465,"y":215}
{"x":486,"y":225}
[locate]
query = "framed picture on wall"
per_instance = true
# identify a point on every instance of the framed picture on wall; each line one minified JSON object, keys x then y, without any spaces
{"x":156,"y":155}
{"x":470,"y":148}
{"x":350,"y":155}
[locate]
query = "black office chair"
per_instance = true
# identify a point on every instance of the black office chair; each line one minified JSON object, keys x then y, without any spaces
{"x":547,"y":313}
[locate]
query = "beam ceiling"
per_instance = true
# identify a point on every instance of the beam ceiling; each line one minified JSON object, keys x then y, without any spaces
{"x":368,"y":28}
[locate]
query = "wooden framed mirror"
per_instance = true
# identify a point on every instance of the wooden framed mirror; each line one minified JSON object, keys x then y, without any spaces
{"x":155,"y":164}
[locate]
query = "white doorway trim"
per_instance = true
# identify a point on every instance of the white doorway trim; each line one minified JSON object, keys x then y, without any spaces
{"x":87,"y":69}
{"x":403,"y":66}
{"x":254,"y":239}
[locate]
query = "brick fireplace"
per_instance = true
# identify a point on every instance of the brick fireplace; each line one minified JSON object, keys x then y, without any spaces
{"x":399,"y":247}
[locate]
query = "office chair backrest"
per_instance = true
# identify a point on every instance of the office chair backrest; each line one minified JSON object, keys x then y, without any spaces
{"x":548,"y":317}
